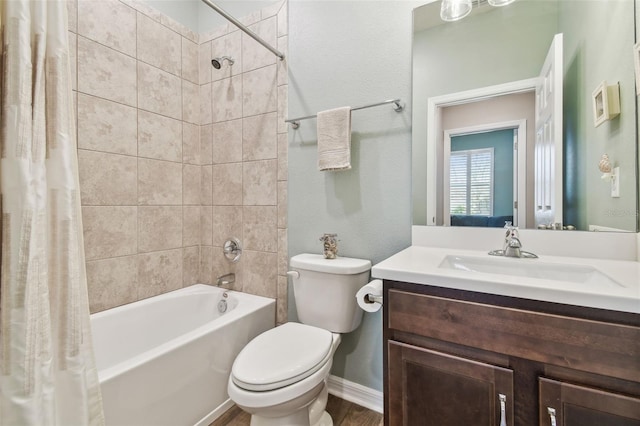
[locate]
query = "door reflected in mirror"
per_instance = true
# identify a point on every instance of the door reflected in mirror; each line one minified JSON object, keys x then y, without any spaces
{"x":533,"y":53}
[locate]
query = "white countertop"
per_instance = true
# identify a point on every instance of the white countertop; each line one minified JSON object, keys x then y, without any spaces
{"x":420,"y":265}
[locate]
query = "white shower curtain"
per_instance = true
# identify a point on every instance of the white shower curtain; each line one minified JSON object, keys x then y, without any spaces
{"x":47,"y":366}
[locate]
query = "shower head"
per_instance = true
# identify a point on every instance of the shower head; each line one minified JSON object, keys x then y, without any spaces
{"x":217,"y":62}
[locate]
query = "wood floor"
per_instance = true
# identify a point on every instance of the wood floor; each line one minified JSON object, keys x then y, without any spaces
{"x":342,"y":412}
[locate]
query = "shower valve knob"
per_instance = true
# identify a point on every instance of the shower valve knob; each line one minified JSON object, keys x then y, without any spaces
{"x":232,"y":250}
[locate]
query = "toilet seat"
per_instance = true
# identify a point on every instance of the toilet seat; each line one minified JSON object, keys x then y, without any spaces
{"x":281,"y":356}
{"x":253,"y":402}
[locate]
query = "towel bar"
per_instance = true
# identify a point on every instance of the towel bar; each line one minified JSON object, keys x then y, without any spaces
{"x":398,"y":106}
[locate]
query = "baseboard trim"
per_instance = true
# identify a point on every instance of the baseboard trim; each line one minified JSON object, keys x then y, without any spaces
{"x":215,"y":413}
{"x":356,"y":393}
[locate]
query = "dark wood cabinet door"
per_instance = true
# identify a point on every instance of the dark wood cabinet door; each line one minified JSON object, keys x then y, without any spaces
{"x":429,"y":388}
{"x":565,"y":404}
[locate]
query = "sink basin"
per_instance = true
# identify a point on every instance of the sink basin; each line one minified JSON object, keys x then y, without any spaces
{"x":530,"y":268}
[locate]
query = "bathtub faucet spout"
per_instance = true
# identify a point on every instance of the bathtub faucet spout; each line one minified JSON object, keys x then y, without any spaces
{"x":226,"y":279}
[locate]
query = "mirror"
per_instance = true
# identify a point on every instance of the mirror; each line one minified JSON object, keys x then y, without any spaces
{"x":476,"y":77}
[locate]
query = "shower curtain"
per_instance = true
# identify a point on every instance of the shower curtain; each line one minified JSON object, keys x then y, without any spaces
{"x":47,"y":367}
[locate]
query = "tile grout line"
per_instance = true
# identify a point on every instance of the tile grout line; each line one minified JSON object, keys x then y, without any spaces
{"x":137,"y":166}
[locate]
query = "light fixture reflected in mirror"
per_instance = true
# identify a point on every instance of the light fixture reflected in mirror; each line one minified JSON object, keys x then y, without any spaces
{"x":500,"y":3}
{"x":453,"y":10}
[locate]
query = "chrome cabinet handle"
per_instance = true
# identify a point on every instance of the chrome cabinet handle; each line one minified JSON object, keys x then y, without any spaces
{"x":503,"y":409}
{"x":552,"y":414}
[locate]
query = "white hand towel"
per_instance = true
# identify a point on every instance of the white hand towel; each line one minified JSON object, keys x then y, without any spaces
{"x":334,"y":139}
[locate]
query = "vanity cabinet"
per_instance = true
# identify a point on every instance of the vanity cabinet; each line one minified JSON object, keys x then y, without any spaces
{"x":456,"y":357}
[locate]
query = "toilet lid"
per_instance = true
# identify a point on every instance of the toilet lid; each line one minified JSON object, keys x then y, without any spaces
{"x":281,"y":356}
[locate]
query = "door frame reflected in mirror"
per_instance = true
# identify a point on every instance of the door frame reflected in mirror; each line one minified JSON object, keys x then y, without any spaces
{"x":435,"y":156}
{"x":519,"y":146}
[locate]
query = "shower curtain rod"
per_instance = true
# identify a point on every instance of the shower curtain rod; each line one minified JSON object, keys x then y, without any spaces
{"x":247,"y":31}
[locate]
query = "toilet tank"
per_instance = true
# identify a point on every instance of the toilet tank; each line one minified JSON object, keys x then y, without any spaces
{"x":325,"y":291}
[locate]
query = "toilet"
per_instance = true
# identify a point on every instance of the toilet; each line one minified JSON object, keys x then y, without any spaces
{"x":280,"y":377}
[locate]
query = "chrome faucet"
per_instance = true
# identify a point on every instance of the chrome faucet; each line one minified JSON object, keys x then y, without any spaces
{"x":226,"y":280}
{"x":512,"y":245}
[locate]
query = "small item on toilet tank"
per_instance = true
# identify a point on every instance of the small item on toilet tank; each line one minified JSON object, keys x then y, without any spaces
{"x":330,"y":245}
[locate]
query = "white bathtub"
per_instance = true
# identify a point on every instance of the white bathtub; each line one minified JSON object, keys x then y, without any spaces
{"x":166,"y":360}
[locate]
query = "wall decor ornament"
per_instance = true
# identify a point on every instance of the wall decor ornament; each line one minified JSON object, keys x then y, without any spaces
{"x":329,"y":245}
{"x":606,"y":102}
{"x":604,"y":165}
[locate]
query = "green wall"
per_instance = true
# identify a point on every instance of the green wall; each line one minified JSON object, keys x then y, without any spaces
{"x":200,"y":18}
{"x":595,"y":38}
{"x":352,"y":53}
{"x":239,"y":9}
{"x":182,"y":11}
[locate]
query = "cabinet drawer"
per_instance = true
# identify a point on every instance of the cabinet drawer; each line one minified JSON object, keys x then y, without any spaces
{"x":593,"y":346}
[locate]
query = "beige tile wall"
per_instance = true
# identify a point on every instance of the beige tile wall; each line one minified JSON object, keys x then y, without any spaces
{"x":176,"y":156}
{"x":244,"y":155}
{"x":138,"y":150}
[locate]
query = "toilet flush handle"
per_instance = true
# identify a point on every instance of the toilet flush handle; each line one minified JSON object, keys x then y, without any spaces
{"x":293,"y":274}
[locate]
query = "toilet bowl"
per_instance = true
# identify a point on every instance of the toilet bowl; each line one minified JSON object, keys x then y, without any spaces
{"x":280,"y":376}
{"x":275,"y":386}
